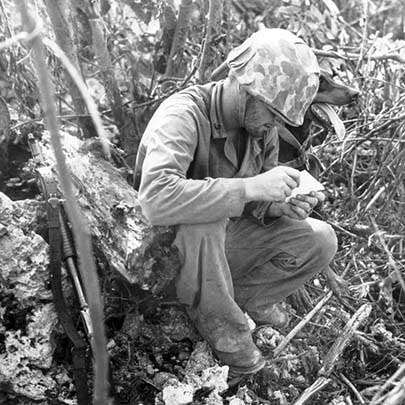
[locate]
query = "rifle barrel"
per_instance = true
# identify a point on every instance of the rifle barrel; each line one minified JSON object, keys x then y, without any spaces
{"x":84,"y":308}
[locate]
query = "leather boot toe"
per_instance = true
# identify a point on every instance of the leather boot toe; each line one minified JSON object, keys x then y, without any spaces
{"x":273,"y":315}
{"x":242,"y":362}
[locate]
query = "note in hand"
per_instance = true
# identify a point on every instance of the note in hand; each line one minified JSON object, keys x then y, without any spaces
{"x":307,"y":184}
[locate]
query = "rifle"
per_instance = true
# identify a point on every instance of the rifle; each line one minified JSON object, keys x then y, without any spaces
{"x":61,"y":249}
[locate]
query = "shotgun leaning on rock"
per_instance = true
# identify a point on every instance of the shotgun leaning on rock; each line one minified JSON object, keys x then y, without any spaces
{"x":61,"y":250}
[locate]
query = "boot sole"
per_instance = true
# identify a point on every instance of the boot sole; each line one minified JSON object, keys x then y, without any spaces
{"x":235,"y":372}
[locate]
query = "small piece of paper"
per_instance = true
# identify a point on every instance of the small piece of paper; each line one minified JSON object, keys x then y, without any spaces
{"x":308,"y":183}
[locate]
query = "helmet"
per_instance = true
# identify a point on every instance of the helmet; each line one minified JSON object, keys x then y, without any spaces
{"x":278,"y":68}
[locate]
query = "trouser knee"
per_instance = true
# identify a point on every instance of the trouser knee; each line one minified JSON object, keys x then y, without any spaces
{"x":211,"y":230}
{"x":326,"y":241}
{"x":201,"y":251}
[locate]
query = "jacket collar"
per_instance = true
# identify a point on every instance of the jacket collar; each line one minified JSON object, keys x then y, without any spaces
{"x":216,"y":112}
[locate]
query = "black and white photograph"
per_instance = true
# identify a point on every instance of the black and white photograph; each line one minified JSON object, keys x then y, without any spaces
{"x":202,"y":202}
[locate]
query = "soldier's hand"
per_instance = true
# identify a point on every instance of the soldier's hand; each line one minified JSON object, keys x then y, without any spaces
{"x":274,"y":185}
{"x":300,"y":206}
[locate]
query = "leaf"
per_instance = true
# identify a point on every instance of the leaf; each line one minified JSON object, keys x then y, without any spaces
{"x":316,"y":14}
{"x":332,"y":7}
{"x":336,"y":122}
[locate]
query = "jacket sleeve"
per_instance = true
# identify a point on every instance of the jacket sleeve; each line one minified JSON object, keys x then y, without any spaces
{"x":166,"y":196}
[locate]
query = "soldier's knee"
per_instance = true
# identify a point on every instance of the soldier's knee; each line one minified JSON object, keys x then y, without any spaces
{"x":326,"y":241}
{"x":204,"y":229}
{"x":193,"y":234}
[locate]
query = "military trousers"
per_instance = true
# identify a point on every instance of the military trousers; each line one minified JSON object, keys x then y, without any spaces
{"x":237,"y":265}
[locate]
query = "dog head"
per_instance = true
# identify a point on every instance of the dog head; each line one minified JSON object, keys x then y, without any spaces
{"x":332,"y":92}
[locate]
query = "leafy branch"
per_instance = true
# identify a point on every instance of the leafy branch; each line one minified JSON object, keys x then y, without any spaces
{"x":355,"y":56}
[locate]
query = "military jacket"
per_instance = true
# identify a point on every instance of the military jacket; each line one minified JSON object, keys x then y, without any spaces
{"x":190,"y":170}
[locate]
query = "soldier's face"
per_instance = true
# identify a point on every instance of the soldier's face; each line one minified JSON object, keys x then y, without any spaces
{"x":258,"y":118}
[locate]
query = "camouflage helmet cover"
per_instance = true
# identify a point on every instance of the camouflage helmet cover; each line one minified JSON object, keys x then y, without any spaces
{"x":280,"y":69}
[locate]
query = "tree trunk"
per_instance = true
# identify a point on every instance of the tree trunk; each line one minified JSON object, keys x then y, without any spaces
{"x":102,"y":55}
{"x":126,"y":122}
{"x":176,"y":53}
{"x":60,"y":13}
{"x":168,"y":22}
{"x":128,"y":245}
{"x":212,"y":31}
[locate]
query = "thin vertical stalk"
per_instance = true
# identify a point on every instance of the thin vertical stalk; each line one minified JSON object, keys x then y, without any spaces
{"x":364,"y":34}
{"x":214,"y":21}
{"x":80,"y":230}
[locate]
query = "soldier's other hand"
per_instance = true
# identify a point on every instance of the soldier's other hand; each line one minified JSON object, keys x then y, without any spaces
{"x":301,"y":206}
{"x":274,"y":185}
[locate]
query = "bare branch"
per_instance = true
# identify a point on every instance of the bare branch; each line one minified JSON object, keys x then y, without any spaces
{"x":344,"y":338}
{"x":335,"y":352}
{"x":302,"y":323}
{"x":354,"y":56}
{"x":19,"y":37}
{"x":391,"y":260}
{"x":364,"y":34}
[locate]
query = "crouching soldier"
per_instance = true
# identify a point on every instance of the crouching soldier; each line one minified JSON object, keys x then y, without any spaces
{"x":208,"y":164}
